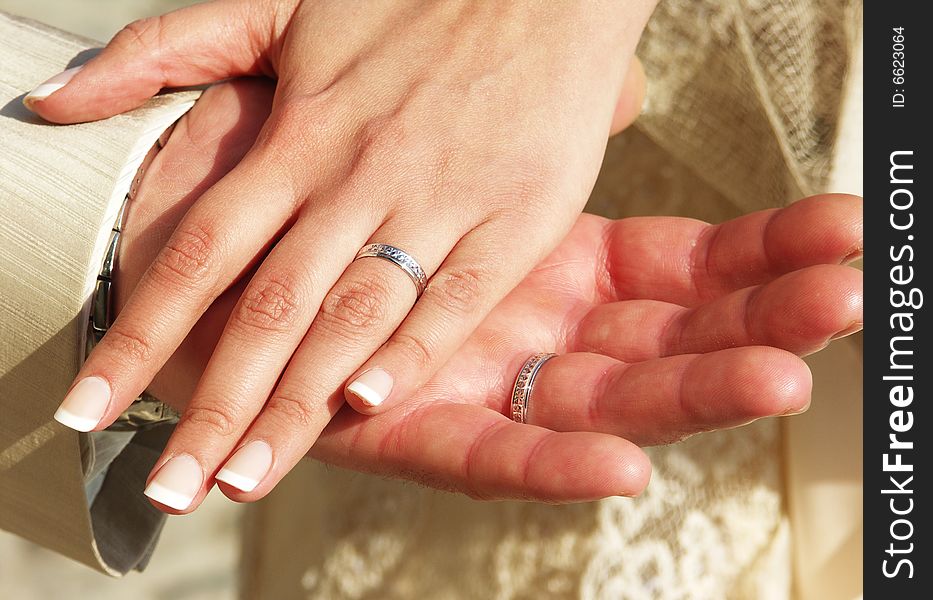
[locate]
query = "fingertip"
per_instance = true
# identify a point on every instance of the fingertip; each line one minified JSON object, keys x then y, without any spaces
{"x":827,"y":228}
{"x":634,"y":473}
{"x":86,"y":405}
{"x":177,"y":485}
{"x":586,"y":466}
{"x":91,"y":97}
{"x":36,"y":99}
{"x":839,"y":292}
{"x":734,"y":387}
{"x":781,"y":385}
{"x":236,"y":482}
{"x":245,"y":471}
{"x":164,"y":502}
{"x":793,"y":388}
{"x":362,"y":398}
{"x":805,"y":309}
{"x":851,"y":329}
{"x":368,"y":392}
{"x":235,"y":494}
{"x":168,"y":502}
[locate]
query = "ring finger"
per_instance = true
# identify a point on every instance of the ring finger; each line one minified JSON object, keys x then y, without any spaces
{"x":271,"y":319}
{"x":266,"y":325}
{"x":357,"y":316}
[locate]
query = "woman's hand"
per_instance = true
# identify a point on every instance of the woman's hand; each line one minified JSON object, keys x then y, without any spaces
{"x":666,"y":327}
{"x":467,"y":134}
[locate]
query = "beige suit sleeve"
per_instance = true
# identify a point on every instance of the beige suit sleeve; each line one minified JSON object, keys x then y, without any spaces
{"x":60,"y":188}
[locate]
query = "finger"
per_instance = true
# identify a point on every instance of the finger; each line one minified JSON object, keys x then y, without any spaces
{"x":367,"y":304}
{"x":206,"y":144}
{"x":631,"y":99}
{"x":481,"y":453}
{"x":687,"y":262}
{"x":473,"y":279}
{"x":664,"y":400}
{"x":193,"y":45}
{"x":358,"y":314}
{"x":266,"y":326}
{"x":210,"y":248}
{"x":799,"y":312}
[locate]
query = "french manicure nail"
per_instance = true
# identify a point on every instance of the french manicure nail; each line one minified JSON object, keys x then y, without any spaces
{"x":247,"y":467}
{"x":177,"y":482}
{"x":49,"y":87}
{"x":85,"y":405}
{"x":372,"y":387}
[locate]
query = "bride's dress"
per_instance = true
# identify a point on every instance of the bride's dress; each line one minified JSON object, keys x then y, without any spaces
{"x":710,"y":521}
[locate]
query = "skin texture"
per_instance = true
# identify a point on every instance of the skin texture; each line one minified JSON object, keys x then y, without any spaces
{"x":469,"y":134}
{"x":666,"y":327}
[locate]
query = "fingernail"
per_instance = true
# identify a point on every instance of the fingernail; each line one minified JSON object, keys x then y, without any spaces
{"x":177,"y":482}
{"x":372,"y":387}
{"x":247,"y":466}
{"x":853,"y":256}
{"x":796,"y":410}
{"x":49,"y":87}
{"x":85,"y":405}
{"x":853,"y":328}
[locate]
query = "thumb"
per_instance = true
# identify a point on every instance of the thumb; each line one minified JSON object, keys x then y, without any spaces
{"x":191,"y":46}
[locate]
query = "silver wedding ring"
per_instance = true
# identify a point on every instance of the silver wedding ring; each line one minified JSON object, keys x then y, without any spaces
{"x":400,"y":258}
{"x":524,"y":383}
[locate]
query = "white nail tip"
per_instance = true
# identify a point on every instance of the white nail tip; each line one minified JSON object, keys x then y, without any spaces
{"x":240,"y":482}
{"x":168,"y":497}
{"x":43,"y":91}
{"x":368,"y":395}
{"x":78,"y":423}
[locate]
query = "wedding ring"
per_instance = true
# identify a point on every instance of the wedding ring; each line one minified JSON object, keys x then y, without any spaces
{"x":524,"y":382}
{"x":400,"y":258}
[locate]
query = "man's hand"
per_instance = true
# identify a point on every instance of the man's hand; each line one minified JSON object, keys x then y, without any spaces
{"x":666,"y":327}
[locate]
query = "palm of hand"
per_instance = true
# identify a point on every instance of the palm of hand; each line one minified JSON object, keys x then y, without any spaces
{"x":665,"y":326}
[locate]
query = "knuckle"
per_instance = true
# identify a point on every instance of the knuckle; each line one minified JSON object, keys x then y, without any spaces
{"x":270,"y":305}
{"x":189,"y":255}
{"x":304,"y":120}
{"x":355,"y":306}
{"x":216,"y":421}
{"x":380,"y":135}
{"x":527,"y":184}
{"x":457,"y":290}
{"x":146,"y":32}
{"x":415,"y":350}
{"x":294,"y":410}
{"x":391,"y":144}
{"x":129,"y":345}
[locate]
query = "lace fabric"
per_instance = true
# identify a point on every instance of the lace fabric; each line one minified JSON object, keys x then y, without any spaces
{"x":707,"y":527}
